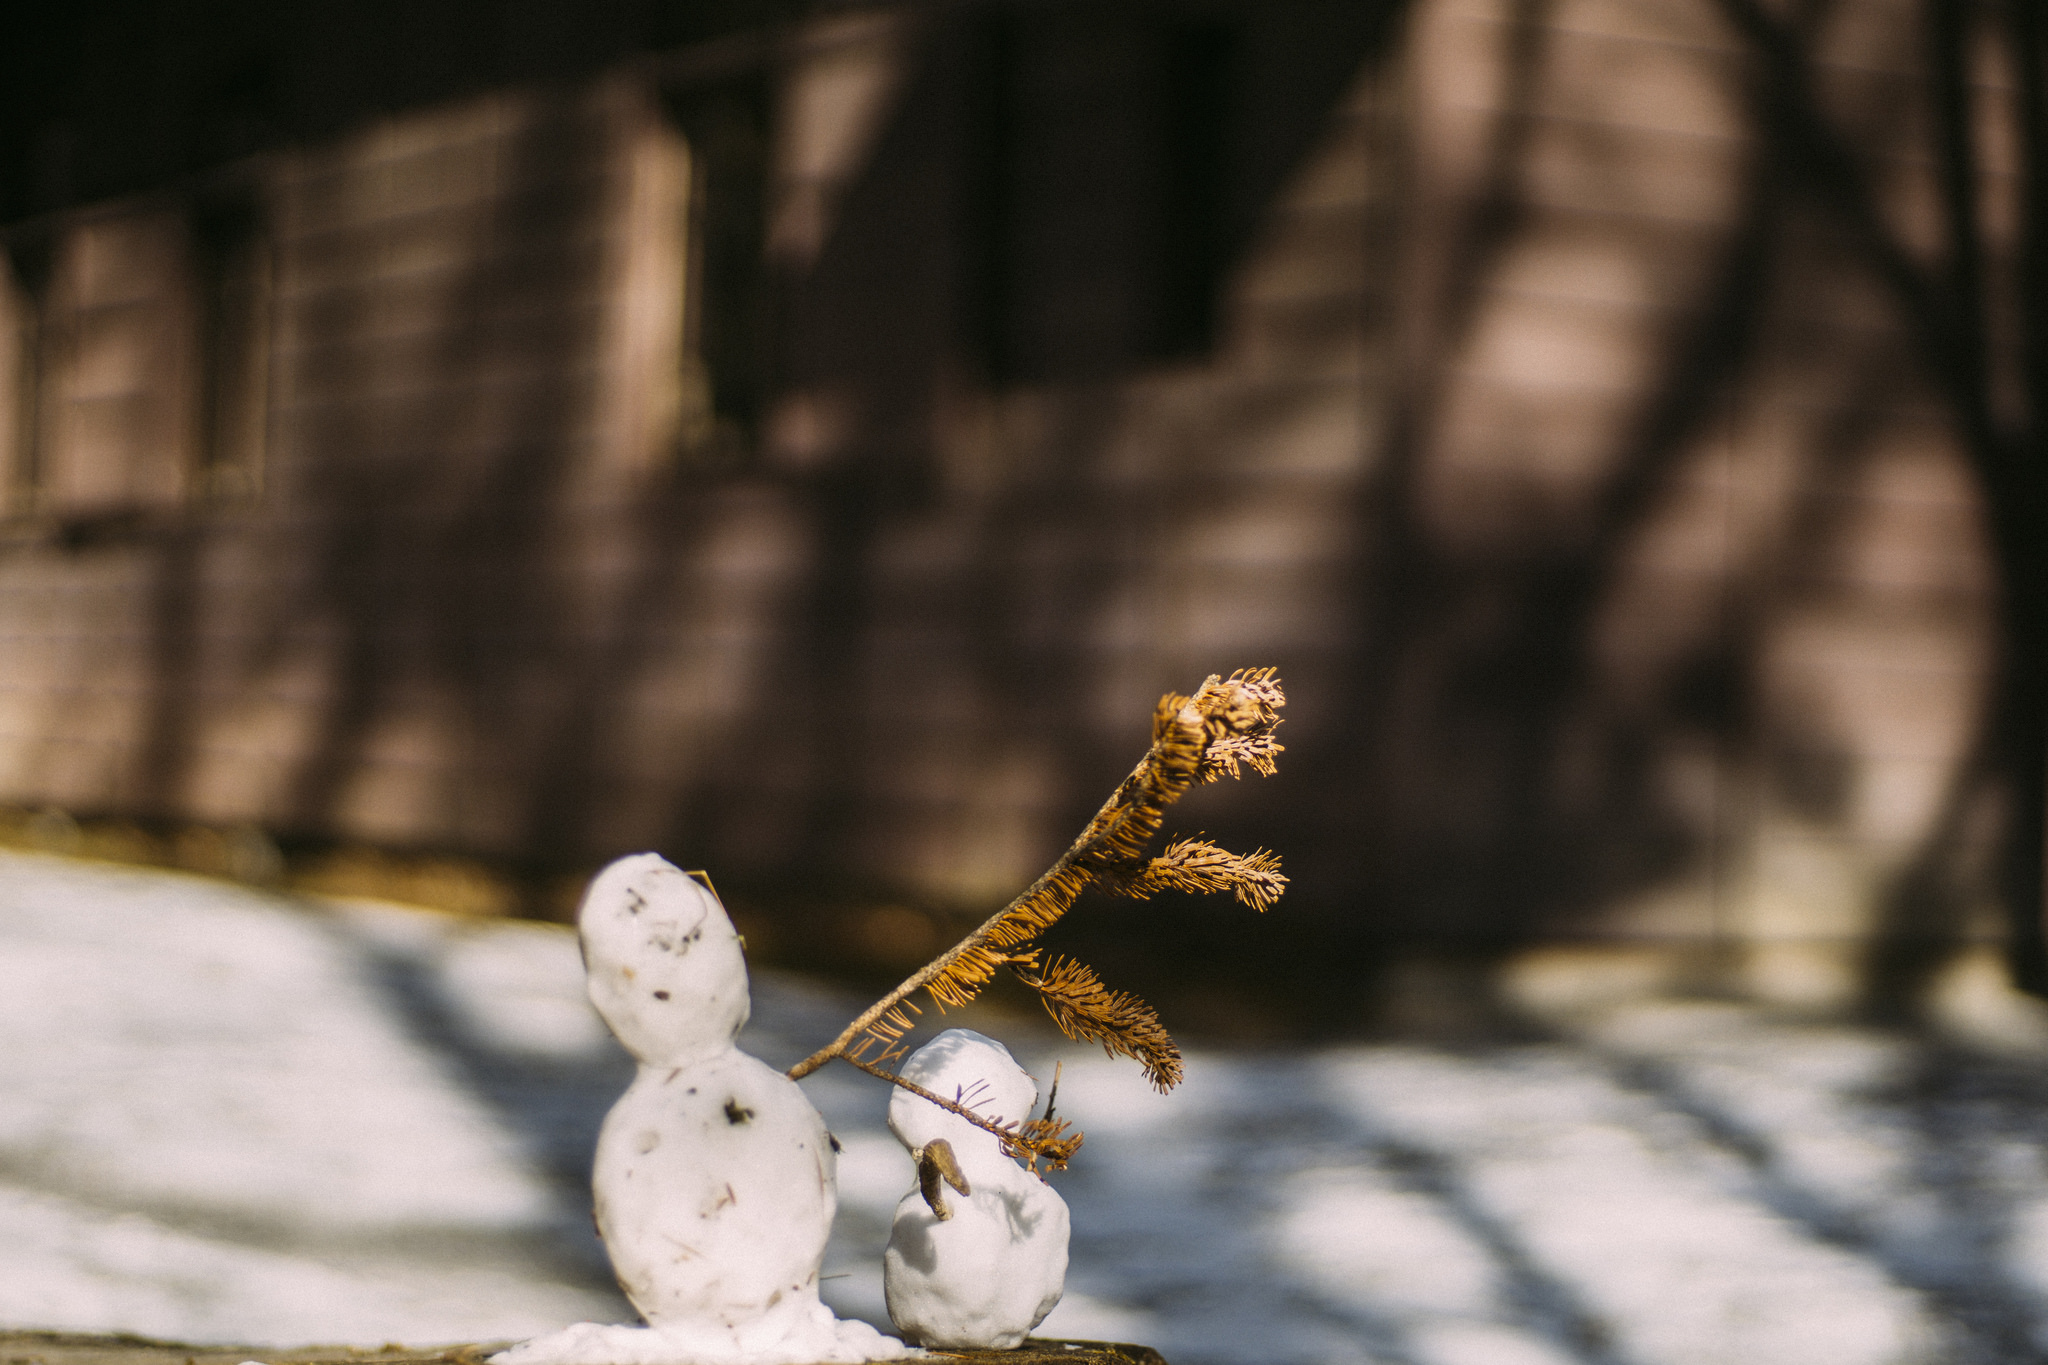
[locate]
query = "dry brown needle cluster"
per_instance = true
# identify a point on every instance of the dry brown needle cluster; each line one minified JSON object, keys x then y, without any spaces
{"x":1225,"y":727}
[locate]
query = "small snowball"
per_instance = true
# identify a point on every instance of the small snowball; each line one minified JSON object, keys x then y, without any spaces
{"x":991,"y":1270}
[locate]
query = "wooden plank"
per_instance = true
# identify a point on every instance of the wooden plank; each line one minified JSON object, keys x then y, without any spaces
{"x":74,"y":1348}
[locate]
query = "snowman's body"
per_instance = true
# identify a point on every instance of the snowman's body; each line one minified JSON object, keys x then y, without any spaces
{"x":695,"y":1163}
{"x":990,"y":1270}
{"x":714,"y":1178}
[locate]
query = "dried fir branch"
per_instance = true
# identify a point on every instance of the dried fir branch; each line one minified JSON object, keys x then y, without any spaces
{"x":973,"y":968}
{"x":1227,"y":725}
{"x":1046,"y":1137}
{"x":1200,"y":867}
{"x":893,"y":1023}
{"x":1046,"y":1140}
{"x":1256,"y":752}
{"x":1090,"y":1012}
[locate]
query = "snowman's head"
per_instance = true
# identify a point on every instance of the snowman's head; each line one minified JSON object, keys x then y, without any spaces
{"x":972,"y":1069}
{"x":662,"y":961}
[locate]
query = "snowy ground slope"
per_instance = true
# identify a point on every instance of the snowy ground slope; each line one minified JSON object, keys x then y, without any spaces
{"x":230,"y":1116}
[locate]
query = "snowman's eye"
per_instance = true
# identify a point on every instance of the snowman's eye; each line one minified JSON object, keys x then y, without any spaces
{"x":661,"y":995}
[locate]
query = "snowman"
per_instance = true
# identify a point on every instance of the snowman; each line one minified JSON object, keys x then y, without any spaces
{"x":715,"y":1177}
{"x":978,"y":1253}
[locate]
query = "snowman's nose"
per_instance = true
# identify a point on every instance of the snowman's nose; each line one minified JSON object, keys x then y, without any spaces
{"x":935,"y":1163}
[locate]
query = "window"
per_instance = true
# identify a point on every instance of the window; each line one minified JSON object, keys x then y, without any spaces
{"x":111,"y":413}
{"x":725,"y":359}
{"x":1098,"y":187}
{"x":231,"y":264}
{"x":138,"y":340}
{"x":21,"y":274}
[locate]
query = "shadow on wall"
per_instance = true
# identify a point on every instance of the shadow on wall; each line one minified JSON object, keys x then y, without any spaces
{"x":1683,"y":613}
{"x":1656,"y":602}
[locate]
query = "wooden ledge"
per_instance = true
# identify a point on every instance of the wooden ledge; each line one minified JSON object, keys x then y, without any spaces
{"x":78,"y":1348}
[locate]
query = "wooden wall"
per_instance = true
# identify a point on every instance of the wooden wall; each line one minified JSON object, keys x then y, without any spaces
{"x":1503,"y":370}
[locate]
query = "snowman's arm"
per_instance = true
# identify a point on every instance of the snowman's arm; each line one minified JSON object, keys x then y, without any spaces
{"x":1039,"y":1139}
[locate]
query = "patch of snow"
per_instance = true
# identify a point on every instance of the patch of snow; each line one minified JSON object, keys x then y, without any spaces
{"x":812,"y":1338}
{"x":1362,"y":1241}
{"x":174,"y":1045}
{"x":233,"y":1116}
{"x":874,"y":1171}
{"x":1649,"y":1235}
{"x":67,"y":1266}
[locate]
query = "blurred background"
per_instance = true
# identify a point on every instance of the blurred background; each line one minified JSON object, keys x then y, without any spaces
{"x":445,"y":445}
{"x":806,"y":439}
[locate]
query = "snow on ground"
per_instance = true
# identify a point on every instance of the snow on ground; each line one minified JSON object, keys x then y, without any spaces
{"x":231,"y":1116}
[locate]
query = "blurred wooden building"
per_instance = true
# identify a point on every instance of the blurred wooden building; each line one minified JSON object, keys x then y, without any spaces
{"x":806,"y":438}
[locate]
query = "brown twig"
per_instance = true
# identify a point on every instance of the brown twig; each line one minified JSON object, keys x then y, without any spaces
{"x":1017,"y":1138}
